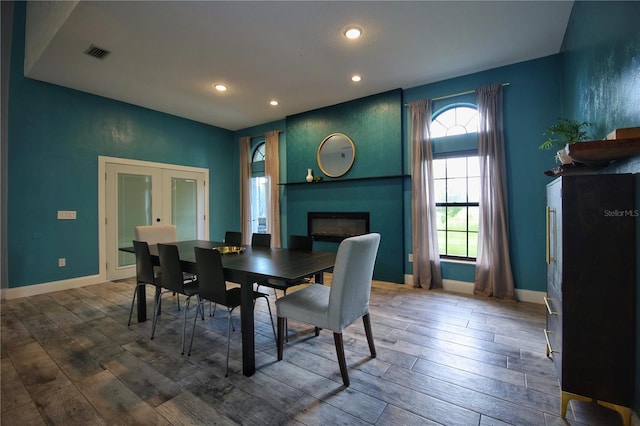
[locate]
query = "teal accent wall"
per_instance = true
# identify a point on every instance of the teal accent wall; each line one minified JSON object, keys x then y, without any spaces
{"x":374,"y":125}
{"x":55,"y":138}
{"x":531,"y":103}
{"x":601,"y":68}
{"x":601,"y":65}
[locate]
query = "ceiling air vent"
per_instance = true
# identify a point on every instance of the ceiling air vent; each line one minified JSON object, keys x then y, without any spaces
{"x":96,"y":52}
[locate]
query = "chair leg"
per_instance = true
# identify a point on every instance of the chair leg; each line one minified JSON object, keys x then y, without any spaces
{"x":156,"y":311}
{"x":317,"y":331}
{"x":271,"y":318}
{"x":184,"y":321}
{"x":178,"y":300}
{"x":135,"y":290}
{"x":226,"y":371}
{"x":195,"y":318}
{"x":281,"y":331}
{"x":337,"y":337}
{"x":367,"y":329}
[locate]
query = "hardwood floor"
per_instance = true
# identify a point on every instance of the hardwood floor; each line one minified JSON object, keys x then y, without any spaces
{"x":68,"y":358}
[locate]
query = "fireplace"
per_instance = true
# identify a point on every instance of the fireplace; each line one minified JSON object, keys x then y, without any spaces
{"x":336,"y":226}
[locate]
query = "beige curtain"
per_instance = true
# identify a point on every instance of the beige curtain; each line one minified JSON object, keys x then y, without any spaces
{"x":245,"y":189}
{"x":493,"y":265}
{"x":272,"y":173}
{"x":426,"y":257}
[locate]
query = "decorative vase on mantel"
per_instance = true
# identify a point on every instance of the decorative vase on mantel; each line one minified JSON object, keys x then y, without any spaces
{"x":309,"y":176}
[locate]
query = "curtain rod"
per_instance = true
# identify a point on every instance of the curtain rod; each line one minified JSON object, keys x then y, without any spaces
{"x":439,"y":98}
{"x":261,"y":134}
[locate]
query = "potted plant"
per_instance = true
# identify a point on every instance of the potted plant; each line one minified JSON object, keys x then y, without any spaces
{"x":562,"y":133}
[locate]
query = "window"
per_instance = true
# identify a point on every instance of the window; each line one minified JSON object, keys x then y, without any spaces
{"x":457,"y":183}
{"x":258,"y":191}
{"x":457,"y":187}
{"x":258,"y":153}
{"x":459,"y":120}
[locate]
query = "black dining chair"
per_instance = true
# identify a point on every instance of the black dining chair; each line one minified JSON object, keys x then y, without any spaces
{"x":233,"y":238}
{"x":302,"y":243}
{"x":145,"y":273}
{"x":260,"y":240}
{"x":172,"y":281}
{"x":212,"y":287}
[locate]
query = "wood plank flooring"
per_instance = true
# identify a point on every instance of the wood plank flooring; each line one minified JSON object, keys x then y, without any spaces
{"x":68,"y":358}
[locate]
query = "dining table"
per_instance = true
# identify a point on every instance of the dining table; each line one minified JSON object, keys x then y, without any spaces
{"x":247,"y":266}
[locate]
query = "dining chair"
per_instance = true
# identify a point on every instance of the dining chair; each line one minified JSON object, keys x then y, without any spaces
{"x":172,"y":281}
{"x":154,"y":234}
{"x":339,"y":305}
{"x":144,"y":271}
{"x":212,"y":287}
{"x":233,"y":238}
{"x":302,"y":243}
{"x":260,"y":240}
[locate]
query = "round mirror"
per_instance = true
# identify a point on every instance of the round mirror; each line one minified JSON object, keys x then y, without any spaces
{"x":336,"y":154}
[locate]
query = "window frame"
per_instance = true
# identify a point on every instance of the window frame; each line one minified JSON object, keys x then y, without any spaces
{"x":449,"y":147}
{"x":453,"y":204}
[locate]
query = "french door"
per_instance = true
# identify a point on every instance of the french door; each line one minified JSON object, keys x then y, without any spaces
{"x":138,"y":193}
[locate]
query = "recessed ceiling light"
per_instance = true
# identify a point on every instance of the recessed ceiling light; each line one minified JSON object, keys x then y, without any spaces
{"x":356,"y":78}
{"x":352,"y":32}
{"x":273,"y":103}
{"x":220,"y":87}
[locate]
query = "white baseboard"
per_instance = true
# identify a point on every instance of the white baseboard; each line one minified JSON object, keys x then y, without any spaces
{"x":32,"y":290}
{"x":465,"y":287}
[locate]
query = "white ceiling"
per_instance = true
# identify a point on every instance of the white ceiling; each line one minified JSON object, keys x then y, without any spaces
{"x":166,"y":55}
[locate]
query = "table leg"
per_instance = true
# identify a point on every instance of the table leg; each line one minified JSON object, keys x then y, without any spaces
{"x":248,"y":338}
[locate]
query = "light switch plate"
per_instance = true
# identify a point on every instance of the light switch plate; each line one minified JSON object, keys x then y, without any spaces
{"x":66,"y":214}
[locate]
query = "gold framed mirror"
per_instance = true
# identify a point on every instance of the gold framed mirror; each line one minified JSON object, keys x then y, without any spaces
{"x":336,"y":154}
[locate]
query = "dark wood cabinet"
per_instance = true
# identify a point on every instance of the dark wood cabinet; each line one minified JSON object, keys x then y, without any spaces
{"x":591,"y":255}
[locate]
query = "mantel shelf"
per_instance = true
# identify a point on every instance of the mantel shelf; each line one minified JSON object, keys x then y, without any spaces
{"x":344,"y":180}
{"x":604,"y":151}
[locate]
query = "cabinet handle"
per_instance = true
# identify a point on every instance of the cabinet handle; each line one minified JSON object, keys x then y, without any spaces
{"x":549,"y":349}
{"x":546,"y":302}
{"x":549,"y":257}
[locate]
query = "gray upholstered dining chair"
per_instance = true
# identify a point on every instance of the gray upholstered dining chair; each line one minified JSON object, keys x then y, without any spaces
{"x":212,"y":287}
{"x":338,"y":306}
{"x":154,"y":234}
{"x":173,"y":281}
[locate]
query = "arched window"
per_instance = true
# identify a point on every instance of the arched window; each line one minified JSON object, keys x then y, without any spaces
{"x":456,"y":120}
{"x":258,"y":153}
{"x":456,"y":178}
{"x":258,"y":190}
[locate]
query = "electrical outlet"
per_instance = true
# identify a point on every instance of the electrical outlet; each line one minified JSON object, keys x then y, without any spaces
{"x":62,"y":262}
{"x":67,"y":214}
{"x":410,"y":257}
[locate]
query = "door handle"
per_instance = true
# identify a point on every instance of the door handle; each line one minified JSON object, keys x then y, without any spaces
{"x":549,"y":257}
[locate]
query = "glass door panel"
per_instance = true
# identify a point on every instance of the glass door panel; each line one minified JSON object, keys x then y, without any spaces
{"x":134,"y":208}
{"x":184,"y":212}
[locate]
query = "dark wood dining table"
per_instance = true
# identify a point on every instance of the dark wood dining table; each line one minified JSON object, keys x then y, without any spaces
{"x":252,"y":265}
